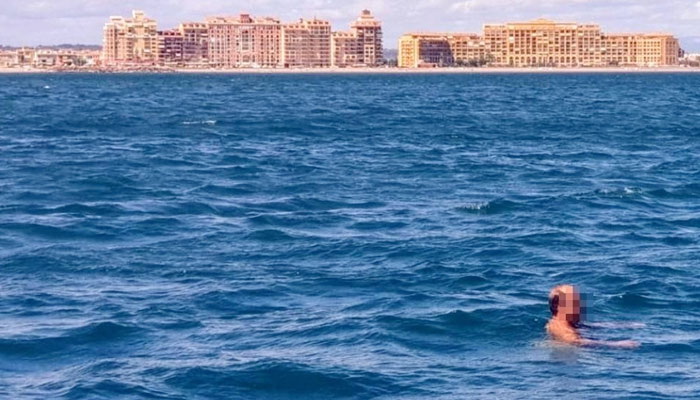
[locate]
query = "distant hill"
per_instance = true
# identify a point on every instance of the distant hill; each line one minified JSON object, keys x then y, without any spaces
{"x":59,"y":47}
{"x":691,"y":44}
{"x":391,"y":54}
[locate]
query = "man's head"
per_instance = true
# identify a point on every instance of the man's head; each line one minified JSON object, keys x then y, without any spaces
{"x":565,"y":303}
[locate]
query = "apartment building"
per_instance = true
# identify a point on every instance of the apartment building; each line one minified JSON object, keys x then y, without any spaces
{"x":65,"y":58}
{"x":244,"y":41}
{"x":656,"y":49}
{"x":539,"y":43}
{"x":130,"y":40}
{"x":345,"y":49}
{"x":442,"y":50}
{"x":195,"y":43}
{"x":362,"y":45}
{"x":306,"y":43}
{"x":185,"y":46}
{"x":49,"y":58}
{"x":425,"y":50}
{"x":469,"y":49}
{"x":170,"y":48}
{"x":25,"y":56}
{"x":544,"y":43}
{"x":8,"y":58}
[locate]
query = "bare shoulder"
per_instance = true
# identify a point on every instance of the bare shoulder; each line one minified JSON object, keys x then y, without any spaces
{"x":563,"y":332}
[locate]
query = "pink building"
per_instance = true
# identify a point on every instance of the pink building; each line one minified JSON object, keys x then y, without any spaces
{"x":243,"y":41}
{"x":361,"y":46}
{"x":195,"y":43}
{"x":306,"y":43}
{"x":170,"y":48}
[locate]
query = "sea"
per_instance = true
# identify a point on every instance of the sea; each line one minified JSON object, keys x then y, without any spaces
{"x":347,"y":236}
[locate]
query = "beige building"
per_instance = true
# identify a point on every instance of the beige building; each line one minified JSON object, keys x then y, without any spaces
{"x":425,"y":50}
{"x":442,"y":50}
{"x":65,"y":58}
{"x":130,"y":40}
{"x":50,"y":58}
{"x":25,"y":56}
{"x":546,"y":43}
{"x":8,"y":58}
{"x":658,"y":49}
{"x":243,"y":41}
{"x":648,"y":50}
{"x":361,"y":46}
{"x":306,"y":43}
{"x":539,"y":43}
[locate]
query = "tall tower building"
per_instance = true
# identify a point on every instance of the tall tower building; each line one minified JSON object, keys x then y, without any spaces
{"x":361,"y":46}
{"x":368,"y":31}
{"x":130,"y":40}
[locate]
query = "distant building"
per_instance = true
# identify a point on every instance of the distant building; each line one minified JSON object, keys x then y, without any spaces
{"x":545,"y":43}
{"x":243,"y":41}
{"x":25,"y":56}
{"x":195,"y":43}
{"x":130,"y":40}
{"x":345,"y":50}
{"x":539,"y":43}
{"x":361,"y":46}
{"x":442,"y":50}
{"x":170,"y":48}
{"x":52,"y":58}
{"x":186,"y":46}
{"x":8,"y":58}
{"x":306,"y":43}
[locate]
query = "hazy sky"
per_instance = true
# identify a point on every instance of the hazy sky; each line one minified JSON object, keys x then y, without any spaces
{"x":32,"y":22}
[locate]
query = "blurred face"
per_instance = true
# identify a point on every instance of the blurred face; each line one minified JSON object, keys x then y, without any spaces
{"x":570,"y":304}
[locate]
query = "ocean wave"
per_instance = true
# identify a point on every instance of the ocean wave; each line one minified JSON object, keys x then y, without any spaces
{"x":85,"y":336}
{"x":112,"y":388}
{"x":281,"y":379}
{"x":490,"y":207}
{"x":471,"y":281}
{"x":680,"y":348}
{"x":224,"y":190}
{"x":270,"y":235}
{"x":210,"y":122}
{"x":59,"y":233}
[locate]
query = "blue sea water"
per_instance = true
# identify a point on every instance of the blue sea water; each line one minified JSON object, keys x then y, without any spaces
{"x":346,"y":236}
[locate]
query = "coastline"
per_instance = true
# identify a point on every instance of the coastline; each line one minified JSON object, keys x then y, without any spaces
{"x":475,"y":71}
{"x":364,"y":71}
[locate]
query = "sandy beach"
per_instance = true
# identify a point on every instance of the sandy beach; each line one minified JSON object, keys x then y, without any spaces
{"x":19,"y":70}
{"x":487,"y":70}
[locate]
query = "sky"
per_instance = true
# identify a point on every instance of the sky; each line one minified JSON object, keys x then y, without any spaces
{"x":51,"y":22}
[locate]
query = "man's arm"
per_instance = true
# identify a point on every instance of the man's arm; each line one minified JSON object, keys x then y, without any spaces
{"x":621,"y":344}
{"x":614,"y":325}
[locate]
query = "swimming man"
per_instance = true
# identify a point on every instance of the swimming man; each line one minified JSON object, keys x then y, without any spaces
{"x":565,"y":305}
